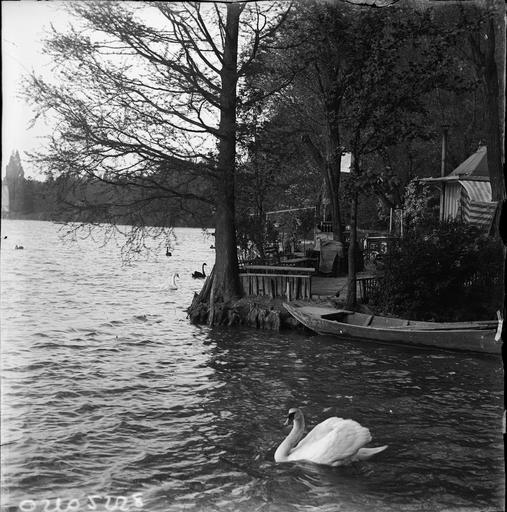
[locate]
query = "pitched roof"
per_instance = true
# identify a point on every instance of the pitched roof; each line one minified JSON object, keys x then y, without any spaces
{"x":474,"y":165}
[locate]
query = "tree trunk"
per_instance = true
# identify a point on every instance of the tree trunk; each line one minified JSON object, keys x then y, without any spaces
{"x":483,"y":46}
{"x":331,"y":168}
{"x":226,"y":285}
{"x":224,"y":282}
{"x":334,"y":172}
{"x":333,"y":185}
{"x":351,"y":279}
{"x":492,"y":91}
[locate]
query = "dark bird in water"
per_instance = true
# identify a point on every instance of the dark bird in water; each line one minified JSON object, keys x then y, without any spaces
{"x":211,"y":246}
{"x":199,"y":275}
{"x":167,"y":253}
{"x":18,"y":247}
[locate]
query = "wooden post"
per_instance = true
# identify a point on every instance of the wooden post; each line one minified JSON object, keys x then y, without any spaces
{"x":445,"y":130}
{"x":351,"y":278}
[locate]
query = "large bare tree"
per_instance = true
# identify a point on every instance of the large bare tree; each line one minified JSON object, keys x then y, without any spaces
{"x":144,"y":103}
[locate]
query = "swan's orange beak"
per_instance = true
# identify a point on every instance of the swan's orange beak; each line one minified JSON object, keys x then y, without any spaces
{"x":287,"y":421}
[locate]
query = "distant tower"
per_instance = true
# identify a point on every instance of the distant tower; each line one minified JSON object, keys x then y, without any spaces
{"x":5,"y":198}
{"x":15,"y":180}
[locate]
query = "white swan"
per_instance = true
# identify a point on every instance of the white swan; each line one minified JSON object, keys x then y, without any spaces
{"x":334,"y":442}
{"x":174,"y":285}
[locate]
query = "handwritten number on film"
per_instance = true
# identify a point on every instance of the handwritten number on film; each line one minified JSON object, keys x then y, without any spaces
{"x":119,"y":503}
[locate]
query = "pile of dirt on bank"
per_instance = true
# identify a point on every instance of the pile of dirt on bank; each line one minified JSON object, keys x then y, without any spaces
{"x":257,"y":312}
{"x":263,"y":313}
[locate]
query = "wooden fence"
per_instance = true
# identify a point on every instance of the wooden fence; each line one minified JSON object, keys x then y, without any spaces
{"x":290,"y":283}
{"x":365,"y":287}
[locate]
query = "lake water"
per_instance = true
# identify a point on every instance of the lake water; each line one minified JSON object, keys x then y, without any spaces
{"x":108,"y":391}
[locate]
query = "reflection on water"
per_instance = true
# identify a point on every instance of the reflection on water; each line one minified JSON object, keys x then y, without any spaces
{"x":108,"y":390}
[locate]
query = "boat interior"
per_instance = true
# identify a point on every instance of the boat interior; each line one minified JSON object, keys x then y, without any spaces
{"x":365,"y":320}
{"x":384,"y":322}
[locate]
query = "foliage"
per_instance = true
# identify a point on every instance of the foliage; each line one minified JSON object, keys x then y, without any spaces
{"x":382,"y":80}
{"x":443,"y":272}
{"x":379,"y":82}
{"x":277,"y":173}
{"x":419,"y":204}
{"x":294,"y":226}
{"x":50,"y":200}
{"x":285,"y":229}
{"x":255,"y":235}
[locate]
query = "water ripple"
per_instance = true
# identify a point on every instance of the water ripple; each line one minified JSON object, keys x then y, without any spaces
{"x":107,"y":389}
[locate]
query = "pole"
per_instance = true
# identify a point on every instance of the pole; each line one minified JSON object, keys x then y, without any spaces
{"x":351,"y":260}
{"x":445,"y":131}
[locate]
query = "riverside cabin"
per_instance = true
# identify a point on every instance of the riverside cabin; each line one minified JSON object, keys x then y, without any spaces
{"x":465,"y":194}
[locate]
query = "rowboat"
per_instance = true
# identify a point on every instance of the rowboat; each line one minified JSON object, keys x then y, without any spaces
{"x":483,"y":336}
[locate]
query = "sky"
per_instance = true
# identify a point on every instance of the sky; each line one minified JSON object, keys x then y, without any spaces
{"x":23,"y":26}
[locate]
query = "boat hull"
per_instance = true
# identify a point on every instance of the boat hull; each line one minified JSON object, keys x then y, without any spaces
{"x":464,"y":337}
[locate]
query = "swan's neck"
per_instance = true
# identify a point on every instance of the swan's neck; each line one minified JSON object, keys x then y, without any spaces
{"x":174,"y":280}
{"x":290,"y":441}
{"x":203,"y":271}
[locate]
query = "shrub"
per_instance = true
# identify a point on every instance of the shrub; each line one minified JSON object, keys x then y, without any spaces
{"x":443,"y":272}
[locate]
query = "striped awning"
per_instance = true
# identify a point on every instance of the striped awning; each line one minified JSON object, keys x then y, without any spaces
{"x":477,"y":190}
{"x":474,"y":202}
{"x":478,"y":209}
{"x":479,"y":214}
